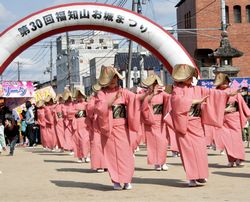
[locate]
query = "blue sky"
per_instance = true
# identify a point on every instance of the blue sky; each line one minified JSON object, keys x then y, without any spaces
{"x":161,"y":11}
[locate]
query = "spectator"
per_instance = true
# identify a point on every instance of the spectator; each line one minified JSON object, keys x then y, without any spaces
{"x":30,"y":121}
{"x":23,"y":131}
{"x":11,"y":130}
{"x":2,"y":138}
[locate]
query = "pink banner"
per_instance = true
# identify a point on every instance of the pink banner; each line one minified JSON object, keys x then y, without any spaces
{"x":16,"y":89}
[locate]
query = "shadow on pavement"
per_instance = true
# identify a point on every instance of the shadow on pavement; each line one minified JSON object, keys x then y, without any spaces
{"x":144,"y":169}
{"x":76,"y":170}
{"x":242,"y":175}
{"x":175,"y":164}
{"x":53,"y":154}
{"x":58,"y":161}
{"x":209,"y":154}
{"x":164,"y":182}
{"x":39,"y":151}
{"x":85,"y":185}
{"x":216,"y":165}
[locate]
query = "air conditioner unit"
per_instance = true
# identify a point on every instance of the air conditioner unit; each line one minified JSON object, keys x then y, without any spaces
{"x":207,"y":72}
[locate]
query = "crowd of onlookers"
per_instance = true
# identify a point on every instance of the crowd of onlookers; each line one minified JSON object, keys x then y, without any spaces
{"x":18,"y":129}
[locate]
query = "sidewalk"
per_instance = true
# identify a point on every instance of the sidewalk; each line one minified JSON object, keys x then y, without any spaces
{"x":34,"y":175}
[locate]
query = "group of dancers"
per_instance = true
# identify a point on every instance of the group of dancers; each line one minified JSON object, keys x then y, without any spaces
{"x":108,"y":126}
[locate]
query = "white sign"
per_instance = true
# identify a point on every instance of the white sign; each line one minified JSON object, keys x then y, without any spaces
{"x":91,"y":16}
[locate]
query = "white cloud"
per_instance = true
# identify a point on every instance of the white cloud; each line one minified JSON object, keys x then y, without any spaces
{"x":165,"y":12}
{"x":5,"y":15}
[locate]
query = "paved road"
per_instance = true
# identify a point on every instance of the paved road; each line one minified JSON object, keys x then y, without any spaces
{"x":34,"y":175}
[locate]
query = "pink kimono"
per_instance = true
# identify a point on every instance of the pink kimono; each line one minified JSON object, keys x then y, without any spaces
{"x":209,"y":134}
{"x":231,"y":132}
{"x":81,"y":134}
{"x":155,"y":128}
{"x":70,"y":126}
{"x":213,"y":136}
{"x":59,"y":125}
{"x":188,"y":120}
{"x":50,"y":127}
{"x":171,"y":137}
{"x":42,"y":123}
{"x":96,"y":139}
{"x":115,"y":123}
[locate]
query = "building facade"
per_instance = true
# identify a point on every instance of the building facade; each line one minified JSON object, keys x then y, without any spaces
{"x":82,"y":48}
{"x":202,"y":21}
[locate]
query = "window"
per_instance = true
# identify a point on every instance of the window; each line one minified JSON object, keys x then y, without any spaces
{"x":187,"y":18}
{"x":105,"y":47}
{"x":248,"y":13}
{"x":115,"y":46}
{"x":227,"y":15}
{"x":72,"y":41}
{"x":101,"y":40}
{"x":89,"y":47}
{"x":237,"y":14}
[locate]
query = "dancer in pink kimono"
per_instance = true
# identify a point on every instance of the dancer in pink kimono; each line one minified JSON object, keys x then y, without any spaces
{"x":51,"y":140}
{"x":96,"y":139}
{"x":41,"y":122}
{"x":236,"y":116}
{"x":213,"y":138}
{"x":117,"y":113}
{"x":139,"y":137}
{"x":81,"y":134}
{"x":171,"y":137}
{"x":193,"y":106}
{"x":68,"y":117}
{"x":59,"y":124}
{"x":153,"y":107}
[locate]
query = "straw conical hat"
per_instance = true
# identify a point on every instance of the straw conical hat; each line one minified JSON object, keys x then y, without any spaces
{"x":48,"y":99}
{"x":150,"y":80}
{"x":96,"y":87}
{"x":220,"y":79}
{"x":40,"y":103}
{"x":78,"y":91}
{"x":183,"y":72}
{"x":107,"y":74}
{"x":66,"y":94}
{"x":58,"y":97}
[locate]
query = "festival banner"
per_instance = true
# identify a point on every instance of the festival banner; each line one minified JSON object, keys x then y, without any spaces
{"x":18,"y":104}
{"x":16,"y":89}
{"x":43,"y":93}
{"x":235,"y":83}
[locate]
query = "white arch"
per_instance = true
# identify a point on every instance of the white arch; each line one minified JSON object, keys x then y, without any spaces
{"x":77,"y":16}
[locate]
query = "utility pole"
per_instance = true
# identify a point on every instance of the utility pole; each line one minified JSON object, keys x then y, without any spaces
{"x":130,"y":54}
{"x":51,"y":62}
{"x":50,"y":68}
{"x":223,"y":16}
{"x":69,"y":61}
{"x":18,"y":70}
{"x":142,"y":57}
